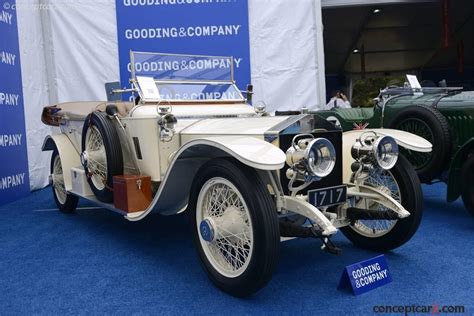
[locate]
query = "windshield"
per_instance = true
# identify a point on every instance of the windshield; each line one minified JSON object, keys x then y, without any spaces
{"x":192,"y":91}
{"x":184,"y":77}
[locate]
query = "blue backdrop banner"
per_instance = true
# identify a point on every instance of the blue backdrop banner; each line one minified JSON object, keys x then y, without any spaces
{"x":14,"y":182}
{"x":202,"y":27}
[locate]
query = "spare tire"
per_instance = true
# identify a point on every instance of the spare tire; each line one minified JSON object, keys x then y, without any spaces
{"x":430,"y":124}
{"x":101,"y":154}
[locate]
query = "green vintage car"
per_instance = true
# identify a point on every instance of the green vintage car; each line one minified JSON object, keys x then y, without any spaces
{"x":443,"y":116}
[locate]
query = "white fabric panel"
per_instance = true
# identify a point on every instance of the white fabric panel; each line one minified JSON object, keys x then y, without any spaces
{"x":35,"y":91}
{"x":84,"y":48}
{"x":282,"y":42}
{"x":82,"y":54}
{"x":283,"y":61}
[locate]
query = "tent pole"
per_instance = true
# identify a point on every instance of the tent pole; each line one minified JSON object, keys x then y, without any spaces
{"x":319,"y":53}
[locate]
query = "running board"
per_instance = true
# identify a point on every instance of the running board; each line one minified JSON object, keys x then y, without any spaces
{"x":108,"y":206}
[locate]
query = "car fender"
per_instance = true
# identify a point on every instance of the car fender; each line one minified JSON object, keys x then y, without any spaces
{"x":173,"y":193}
{"x":251,"y":151}
{"x":67,"y":152}
{"x":404,"y":139}
{"x":454,"y":190}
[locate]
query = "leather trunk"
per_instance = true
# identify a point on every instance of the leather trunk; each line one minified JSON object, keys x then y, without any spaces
{"x":132,"y":193}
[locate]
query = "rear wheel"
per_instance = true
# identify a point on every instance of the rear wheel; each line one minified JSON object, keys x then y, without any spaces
{"x":429,"y":123}
{"x":66,"y":202}
{"x":101,"y":154}
{"x":402,"y":183}
{"x":235,"y":227}
{"x":467,"y":184}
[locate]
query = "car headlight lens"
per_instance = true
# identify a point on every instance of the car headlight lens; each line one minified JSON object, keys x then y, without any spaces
{"x":386,"y":152}
{"x":371,"y":149}
{"x":320,"y":157}
{"x":311,"y":157}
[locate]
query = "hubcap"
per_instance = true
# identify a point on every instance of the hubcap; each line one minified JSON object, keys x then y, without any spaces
{"x":225,"y":227}
{"x":206,"y":230}
{"x":84,"y":159}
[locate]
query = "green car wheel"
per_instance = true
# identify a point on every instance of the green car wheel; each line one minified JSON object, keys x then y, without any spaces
{"x":429,"y":123}
{"x":467,"y":183}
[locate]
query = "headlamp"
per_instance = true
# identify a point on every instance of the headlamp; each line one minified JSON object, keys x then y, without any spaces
{"x":310,"y":156}
{"x":382,"y":150}
{"x":386,"y":152}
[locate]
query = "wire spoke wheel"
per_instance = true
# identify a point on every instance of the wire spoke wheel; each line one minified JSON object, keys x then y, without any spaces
{"x":97,"y":158}
{"x":221,"y":204}
{"x":430,"y":124}
{"x":403,"y":185}
{"x":58,"y":180}
{"x":101,"y":155}
{"x":418,"y":127}
{"x":65,"y":201}
{"x":234,"y":226}
{"x":383,"y":181}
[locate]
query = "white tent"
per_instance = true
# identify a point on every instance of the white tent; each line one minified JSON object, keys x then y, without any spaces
{"x":69,"y":50}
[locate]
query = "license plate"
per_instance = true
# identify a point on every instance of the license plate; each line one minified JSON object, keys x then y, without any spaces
{"x":328,"y":196}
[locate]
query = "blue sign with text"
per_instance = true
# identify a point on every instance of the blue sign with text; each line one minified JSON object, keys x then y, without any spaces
{"x":198,"y":27}
{"x":366,"y":275}
{"x":14,"y":182}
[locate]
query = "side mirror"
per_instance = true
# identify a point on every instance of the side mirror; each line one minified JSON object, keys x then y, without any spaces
{"x":110,"y":90}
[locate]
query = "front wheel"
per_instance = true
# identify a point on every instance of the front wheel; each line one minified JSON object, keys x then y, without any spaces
{"x":467,"y":181}
{"x":235,"y":227}
{"x":402,"y":183}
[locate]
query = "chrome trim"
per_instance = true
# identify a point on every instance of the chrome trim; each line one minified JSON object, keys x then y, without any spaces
{"x":290,"y":120}
{"x":132,"y":64}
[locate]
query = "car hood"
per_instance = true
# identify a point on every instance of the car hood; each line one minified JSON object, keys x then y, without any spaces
{"x":231,"y":126}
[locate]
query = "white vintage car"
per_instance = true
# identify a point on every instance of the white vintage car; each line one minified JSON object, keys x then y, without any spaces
{"x":247,"y":179}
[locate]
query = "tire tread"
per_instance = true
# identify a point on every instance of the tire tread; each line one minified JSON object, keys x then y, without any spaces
{"x":258,"y":273}
{"x":442,"y":147}
{"x":113,"y":150}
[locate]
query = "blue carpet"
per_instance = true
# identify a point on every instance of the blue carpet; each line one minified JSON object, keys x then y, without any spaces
{"x":96,"y":262}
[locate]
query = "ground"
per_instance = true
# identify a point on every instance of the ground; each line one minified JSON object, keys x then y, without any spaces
{"x":94,"y":261}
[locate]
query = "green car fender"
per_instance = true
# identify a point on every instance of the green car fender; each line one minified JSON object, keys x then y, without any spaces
{"x":454,"y":186}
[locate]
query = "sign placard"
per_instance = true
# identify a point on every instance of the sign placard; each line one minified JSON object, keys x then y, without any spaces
{"x":413,"y":81}
{"x":205,"y":27}
{"x":14,"y":181}
{"x":366,"y":275}
{"x":148,"y":88}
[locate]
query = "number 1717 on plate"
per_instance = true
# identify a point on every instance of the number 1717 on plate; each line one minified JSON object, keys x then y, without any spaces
{"x":328,"y":196}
